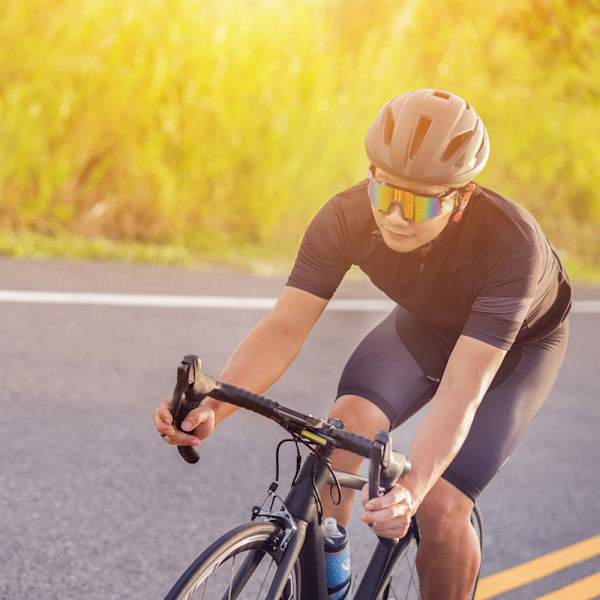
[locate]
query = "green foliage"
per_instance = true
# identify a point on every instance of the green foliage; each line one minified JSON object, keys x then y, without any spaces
{"x":208,"y":122}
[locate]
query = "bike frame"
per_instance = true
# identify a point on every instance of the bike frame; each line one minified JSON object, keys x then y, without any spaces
{"x":307,"y":544}
{"x":297,"y":535}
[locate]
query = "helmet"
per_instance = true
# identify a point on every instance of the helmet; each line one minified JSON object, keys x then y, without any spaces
{"x":430,"y":137}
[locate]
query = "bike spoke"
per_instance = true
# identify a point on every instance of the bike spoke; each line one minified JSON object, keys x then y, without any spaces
{"x":263,"y":581}
{"x":412,"y":581}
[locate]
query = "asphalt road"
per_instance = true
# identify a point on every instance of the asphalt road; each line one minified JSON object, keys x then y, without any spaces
{"x":93,"y":505}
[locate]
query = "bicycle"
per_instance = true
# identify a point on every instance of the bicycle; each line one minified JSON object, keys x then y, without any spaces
{"x":281,"y":557}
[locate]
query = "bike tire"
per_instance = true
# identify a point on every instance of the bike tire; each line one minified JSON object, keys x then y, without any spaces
{"x":247,"y":545}
{"x":404,"y":582}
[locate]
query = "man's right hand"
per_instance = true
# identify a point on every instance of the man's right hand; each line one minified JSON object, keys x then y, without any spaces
{"x":199,"y":424}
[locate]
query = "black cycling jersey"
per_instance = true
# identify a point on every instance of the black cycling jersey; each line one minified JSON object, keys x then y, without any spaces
{"x":492,"y":275}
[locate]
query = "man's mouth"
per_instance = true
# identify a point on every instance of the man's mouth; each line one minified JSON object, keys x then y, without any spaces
{"x":398,"y":234}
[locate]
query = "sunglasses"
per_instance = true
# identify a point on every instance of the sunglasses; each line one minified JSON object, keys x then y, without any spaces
{"x":414,"y":208}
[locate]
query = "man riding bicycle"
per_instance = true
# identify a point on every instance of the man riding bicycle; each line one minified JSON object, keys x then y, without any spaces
{"x":479,"y":331}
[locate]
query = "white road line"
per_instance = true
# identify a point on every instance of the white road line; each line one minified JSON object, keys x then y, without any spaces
{"x":172,"y":301}
{"x":586,"y":307}
{"x":226,"y":302}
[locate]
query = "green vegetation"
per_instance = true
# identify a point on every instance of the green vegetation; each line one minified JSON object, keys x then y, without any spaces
{"x":180,"y":130}
{"x":268,"y":258}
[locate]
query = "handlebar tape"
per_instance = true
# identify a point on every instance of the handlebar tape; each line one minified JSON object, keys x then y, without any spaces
{"x":243,"y":398}
{"x":353,"y":442}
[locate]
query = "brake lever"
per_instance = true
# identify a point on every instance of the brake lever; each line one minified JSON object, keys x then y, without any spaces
{"x":375,"y":460}
{"x":383,"y":472}
{"x":187,"y":397}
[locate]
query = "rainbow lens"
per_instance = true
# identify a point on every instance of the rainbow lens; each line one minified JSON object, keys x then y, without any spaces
{"x":380,"y":194}
{"x":414,"y":208}
{"x":426,"y":208}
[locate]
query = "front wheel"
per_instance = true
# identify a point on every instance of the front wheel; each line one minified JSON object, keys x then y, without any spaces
{"x":239,"y":565}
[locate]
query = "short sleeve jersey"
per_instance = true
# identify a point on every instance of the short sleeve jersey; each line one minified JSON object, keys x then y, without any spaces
{"x":492,"y":275}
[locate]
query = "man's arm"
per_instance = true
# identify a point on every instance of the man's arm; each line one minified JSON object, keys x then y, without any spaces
{"x":444,"y":428}
{"x":267,"y":351}
{"x":256,"y":364}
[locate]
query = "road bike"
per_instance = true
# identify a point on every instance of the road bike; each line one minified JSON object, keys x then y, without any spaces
{"x":279,"y":555}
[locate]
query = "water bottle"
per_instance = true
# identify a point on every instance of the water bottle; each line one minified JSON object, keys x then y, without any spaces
{"x":337,"y":560}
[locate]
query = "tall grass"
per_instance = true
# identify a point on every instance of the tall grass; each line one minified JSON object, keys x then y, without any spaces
{"x":212,"y":121}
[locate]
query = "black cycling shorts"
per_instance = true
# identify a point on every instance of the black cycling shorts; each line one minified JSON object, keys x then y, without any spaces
{"x":390,"y":368}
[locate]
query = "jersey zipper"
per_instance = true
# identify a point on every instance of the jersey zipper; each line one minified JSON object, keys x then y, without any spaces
{"x":422,"y":257}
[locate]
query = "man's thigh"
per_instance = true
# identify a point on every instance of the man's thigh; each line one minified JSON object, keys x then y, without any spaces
{"x":384,"y":371}
{"x":505,"y":414}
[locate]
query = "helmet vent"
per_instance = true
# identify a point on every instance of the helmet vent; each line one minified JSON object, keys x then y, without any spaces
{"x":456,"y":144}
{"x":442,"y":95}
{"x":421,"y":129}
{"x":388,"y":126}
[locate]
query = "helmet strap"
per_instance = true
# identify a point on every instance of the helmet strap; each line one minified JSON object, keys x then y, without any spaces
{"x":470,"y":187}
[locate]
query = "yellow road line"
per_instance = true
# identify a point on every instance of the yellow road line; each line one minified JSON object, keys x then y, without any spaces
{"x":491,"y":586}
{"x":584,"y":589}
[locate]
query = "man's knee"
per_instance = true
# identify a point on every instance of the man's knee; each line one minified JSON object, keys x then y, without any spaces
{"x":360,"y":415}
{"x":443,"y":511}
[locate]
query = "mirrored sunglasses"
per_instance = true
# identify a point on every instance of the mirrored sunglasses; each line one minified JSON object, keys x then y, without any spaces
{"x":414,"y":207}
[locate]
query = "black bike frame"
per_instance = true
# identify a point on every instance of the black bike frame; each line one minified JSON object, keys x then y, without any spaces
{"x":307,"y":544}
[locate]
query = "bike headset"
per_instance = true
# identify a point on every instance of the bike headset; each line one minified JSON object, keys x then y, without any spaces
{"x":431,"y":137}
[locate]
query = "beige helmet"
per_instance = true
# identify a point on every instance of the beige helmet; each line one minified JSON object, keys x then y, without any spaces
{"x":430,"y":137}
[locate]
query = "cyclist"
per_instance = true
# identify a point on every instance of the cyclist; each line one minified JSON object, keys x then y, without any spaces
{"x":479,"y":330}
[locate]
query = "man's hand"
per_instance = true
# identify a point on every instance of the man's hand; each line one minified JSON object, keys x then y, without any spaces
{"x":200,"y":422}
{"x":390,"y":514}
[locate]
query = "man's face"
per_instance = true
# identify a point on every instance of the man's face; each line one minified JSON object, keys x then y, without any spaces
{"x":398,"y":233}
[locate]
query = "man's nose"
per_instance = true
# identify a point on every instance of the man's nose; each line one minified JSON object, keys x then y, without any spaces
{"x":395,"y":215}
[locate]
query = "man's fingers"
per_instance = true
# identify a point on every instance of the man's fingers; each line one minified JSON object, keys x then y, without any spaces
{"x":160,"y":424}
{"x":385,"y":514}
{"x":398,"y":531}
{"x":173,"y":436}
{"x":197,"y":417}
{"x":364,"y":494}
{"x":396,"y":495}
{"x":163,"y":425}
{"x":390,"y":513}
{"x":164,"y":410}
{"x":197,"y":425}
{"x":178,"y":438}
